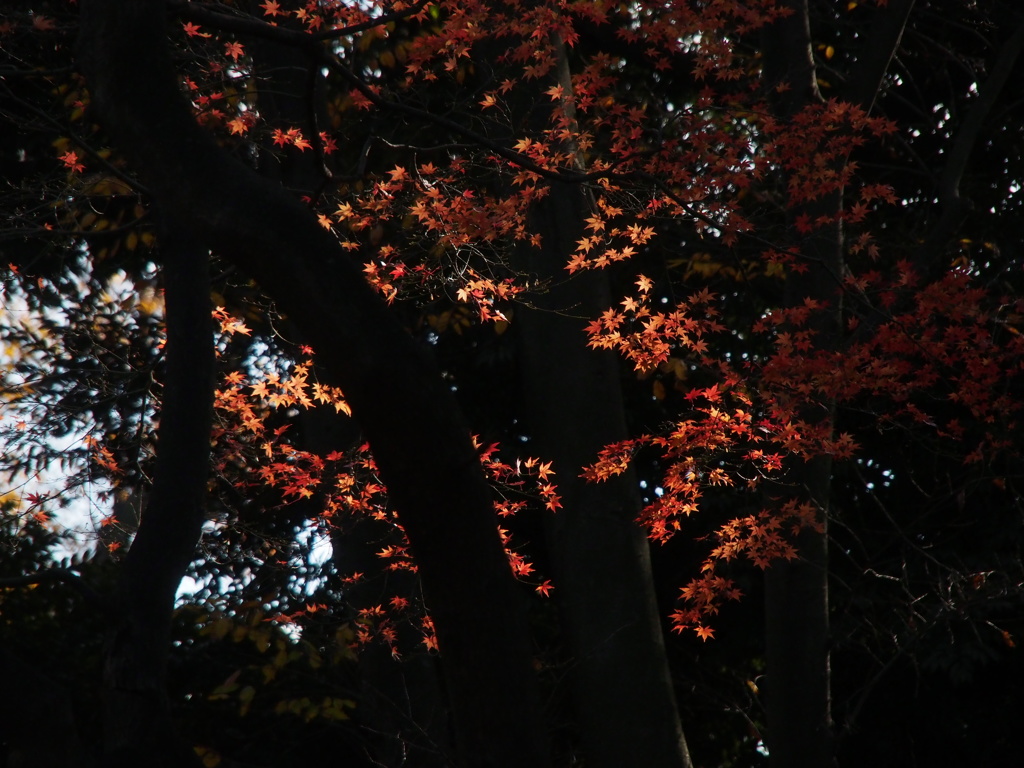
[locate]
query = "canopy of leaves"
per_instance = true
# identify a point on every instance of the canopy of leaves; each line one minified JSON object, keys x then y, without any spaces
{"x":423,"y":137}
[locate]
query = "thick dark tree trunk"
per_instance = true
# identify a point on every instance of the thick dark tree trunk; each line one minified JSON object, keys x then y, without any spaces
{"x":401,"y":708}
{"x":622,"y":689}
{"x":137,"y":726}
{"x":420,"y":442}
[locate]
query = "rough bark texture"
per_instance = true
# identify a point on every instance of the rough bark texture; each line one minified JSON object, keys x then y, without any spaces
{"x":410,"y":418}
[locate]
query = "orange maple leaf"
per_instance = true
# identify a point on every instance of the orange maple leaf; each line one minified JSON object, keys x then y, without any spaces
{"x":234,"y":50}
{"x":238,"y":126}
{"x":192,"y":30}
{"x":70,"y":160}
{"x":704,"y":633}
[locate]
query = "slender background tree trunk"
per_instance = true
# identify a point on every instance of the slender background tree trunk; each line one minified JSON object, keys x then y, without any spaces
{"x":798,"y":695}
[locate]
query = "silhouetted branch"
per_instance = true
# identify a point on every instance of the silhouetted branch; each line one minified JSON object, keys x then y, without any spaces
{"x":61,"y":576}
{"x":953,"y":206}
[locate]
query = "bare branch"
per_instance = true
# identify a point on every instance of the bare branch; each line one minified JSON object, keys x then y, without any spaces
{"x":953,"y":206}
{"x":244,"y":24}
{"x":970,"y":129}
{"x":879,"y":48}
{"x":61,"y":576}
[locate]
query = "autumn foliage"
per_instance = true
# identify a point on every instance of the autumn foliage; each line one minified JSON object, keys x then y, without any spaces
{"x":344,"y":485}
{"x":909,"y":342}
{"x":443,"y":228}
{"x":427,"y":140}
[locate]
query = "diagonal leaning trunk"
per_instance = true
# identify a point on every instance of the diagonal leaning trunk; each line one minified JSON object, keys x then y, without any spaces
{"x":391,"y":383}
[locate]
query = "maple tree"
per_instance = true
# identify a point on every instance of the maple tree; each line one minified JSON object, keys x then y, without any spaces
{"x":661,"y":248}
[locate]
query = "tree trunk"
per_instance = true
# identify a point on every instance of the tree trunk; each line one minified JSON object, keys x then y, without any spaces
{"x":137,"y":725}
{"x":419,"y":439}
{"x":622,"y":689}
{"x":798,"y":695}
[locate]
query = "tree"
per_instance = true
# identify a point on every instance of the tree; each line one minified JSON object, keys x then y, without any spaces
{"x":707,"y":190}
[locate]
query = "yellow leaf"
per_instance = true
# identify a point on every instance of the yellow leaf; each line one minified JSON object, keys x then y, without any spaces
{"x":209,"y":757}
{"x":218,"y":629}
{"x":261,"y":639}
{"x":246,"y":695}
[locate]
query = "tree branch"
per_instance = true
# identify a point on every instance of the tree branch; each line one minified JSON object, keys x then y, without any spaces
{"x":93,"y":154}
{"x":245,"y":24}
{"x":395,"y":390}
{"x":61,"y":576}
{"x":953,"y":206}
{"x":970,"y":129}
{"x":311,"y":43}
{"x":877,"y":52}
